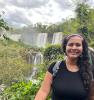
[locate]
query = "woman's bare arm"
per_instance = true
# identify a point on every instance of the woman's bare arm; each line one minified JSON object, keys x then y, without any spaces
{"x":45,"y":87}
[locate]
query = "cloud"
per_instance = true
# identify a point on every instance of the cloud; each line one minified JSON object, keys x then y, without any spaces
{"x":91,"y":3}
{"x":26,"y":12}
{"x":65,"y":4}
{"x":18,"y":16}
{"x":71,"y":4}
{"x":29,"y":3}
{"x":14,"y":15}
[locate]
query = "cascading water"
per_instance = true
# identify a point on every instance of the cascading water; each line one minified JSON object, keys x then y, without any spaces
{"x":38,"y":59}
{"x":34,"y":39}
{"x":30,"y":57}
{"x":41,"y":40}
{"x":15,"y":37}
{"x":57,"y":38}
{"x":29,"y":37}
{"x":34,"y":73}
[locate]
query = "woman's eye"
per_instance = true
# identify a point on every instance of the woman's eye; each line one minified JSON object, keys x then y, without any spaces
{"x":76,"y":44}
{"x":70,"y":44}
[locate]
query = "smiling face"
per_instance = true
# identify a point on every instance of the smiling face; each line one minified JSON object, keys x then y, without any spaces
{"x":74,"y":47}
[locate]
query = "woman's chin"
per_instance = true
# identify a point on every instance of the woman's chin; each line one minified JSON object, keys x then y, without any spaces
{"x":73,"y":56}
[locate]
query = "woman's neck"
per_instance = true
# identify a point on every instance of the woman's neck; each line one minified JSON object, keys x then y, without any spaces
{"x":71,"y":61}
{"x":71,"y":64}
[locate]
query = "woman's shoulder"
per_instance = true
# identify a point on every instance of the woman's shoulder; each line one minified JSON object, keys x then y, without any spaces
{"x":50,"y":68}
{"x":55,"y":64}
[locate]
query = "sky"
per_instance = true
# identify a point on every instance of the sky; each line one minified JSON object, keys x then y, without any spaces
{"x":26,"y":12}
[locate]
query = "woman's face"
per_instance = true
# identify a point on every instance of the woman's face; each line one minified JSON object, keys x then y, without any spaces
{"x":74,"y":47}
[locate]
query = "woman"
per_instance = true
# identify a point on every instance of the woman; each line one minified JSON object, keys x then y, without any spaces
{"x":74,"y":75}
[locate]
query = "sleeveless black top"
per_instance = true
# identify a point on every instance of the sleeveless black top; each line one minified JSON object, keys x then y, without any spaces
{"x":67,"y":85}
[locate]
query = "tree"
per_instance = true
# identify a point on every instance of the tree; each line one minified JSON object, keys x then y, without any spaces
{"x":83,"y":15}
{"x":3,"y":24}
{"x":41,"y":28}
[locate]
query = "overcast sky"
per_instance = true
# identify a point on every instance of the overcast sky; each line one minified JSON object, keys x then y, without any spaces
{"x":26,"y":12}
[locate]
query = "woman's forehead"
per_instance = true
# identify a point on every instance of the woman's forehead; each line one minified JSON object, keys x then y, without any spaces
{"x":73,"y":35}
{"x":75,"y":39}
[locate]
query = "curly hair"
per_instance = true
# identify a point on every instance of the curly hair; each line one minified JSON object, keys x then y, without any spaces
{"x":83,"y":60}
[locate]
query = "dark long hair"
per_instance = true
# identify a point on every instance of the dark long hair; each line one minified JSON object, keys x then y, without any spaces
{"x":83,"y":60}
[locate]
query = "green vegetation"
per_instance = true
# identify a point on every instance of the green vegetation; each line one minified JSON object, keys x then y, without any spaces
{"x":3,"y":24}
{"x":83,"y":23}
{"x":92,"y":43}
{"x":52,"y":53}
{"x":24,"y":90}
{"x":13,"y":61}
{"x":12,"y":66}
{"x":14,"y":69}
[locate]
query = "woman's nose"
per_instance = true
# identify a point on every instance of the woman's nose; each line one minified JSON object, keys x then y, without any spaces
{"x":74,"y":47}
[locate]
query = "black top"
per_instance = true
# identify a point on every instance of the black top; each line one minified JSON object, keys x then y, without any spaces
{"x":67,"y":85}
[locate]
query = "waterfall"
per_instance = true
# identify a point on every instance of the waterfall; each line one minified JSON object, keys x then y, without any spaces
{"x":15,"y":37}
{"x":30,"y":57}
{"x":38,"y":58}
{"x":34,"y":39}
{"x":29,"y":38}
{"x":34,"y":58}
{"x":41,"y":40}
{"x":57,"y":38}
{"x":34,"y":73}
